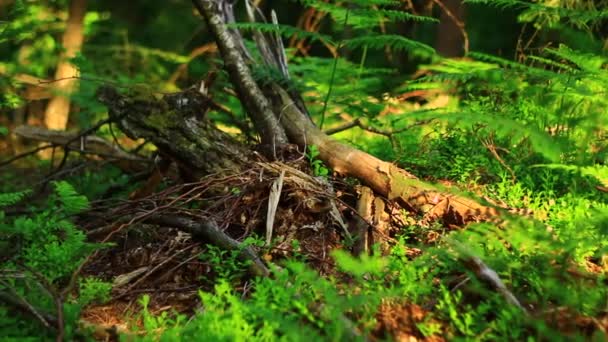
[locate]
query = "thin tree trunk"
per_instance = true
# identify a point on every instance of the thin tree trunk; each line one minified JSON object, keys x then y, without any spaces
{"x":58,"y":109}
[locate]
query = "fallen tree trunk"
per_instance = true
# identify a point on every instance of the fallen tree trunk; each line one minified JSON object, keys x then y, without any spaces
{"x":177,"y":125}
{"x":384,"y":178}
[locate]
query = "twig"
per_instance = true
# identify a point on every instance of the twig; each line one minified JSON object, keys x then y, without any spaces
{"x":343,"y":127}
{"x":493,"y":149}
{"x":389,"y":134}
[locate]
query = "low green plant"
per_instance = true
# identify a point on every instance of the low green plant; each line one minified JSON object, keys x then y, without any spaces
{"x":295,"y":304}
{"x":318,"y":168}
{"x":44,"y":248}
{"x":156,"y":324}
{"x":226,"y":264}
{"x":93,"y":290}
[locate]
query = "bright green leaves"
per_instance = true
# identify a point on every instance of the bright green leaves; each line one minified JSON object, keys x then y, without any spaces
{"x":71,"y":201}
{"x":318,"y":168}
{"x":50,"y":243}
{"x":7,"y":199}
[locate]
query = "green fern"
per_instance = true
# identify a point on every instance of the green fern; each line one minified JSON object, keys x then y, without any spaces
{"x":284,"y":30}
{"x":12,"y":198}
{"x":395,"y":42}
{"x":72,"y":202}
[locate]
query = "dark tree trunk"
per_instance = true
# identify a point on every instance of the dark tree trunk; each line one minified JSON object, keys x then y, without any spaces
{"x":450,"y":40}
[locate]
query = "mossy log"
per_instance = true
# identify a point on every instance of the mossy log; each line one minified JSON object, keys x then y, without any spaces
{"x":176,"y":124}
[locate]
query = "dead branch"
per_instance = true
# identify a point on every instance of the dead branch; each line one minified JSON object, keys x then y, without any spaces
{"x":25,"y":154}
{"x":490,"y":277}
{"x":82,"y":142}
{"x":208,"y":231}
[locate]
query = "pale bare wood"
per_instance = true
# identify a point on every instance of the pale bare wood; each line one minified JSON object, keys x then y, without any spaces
{"x":384,"y":178}
{"x":363,"y":221}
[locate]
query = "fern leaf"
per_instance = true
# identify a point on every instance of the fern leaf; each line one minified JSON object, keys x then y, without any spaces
{"x":70,"y":199}
{"x":391,"y":15}
{"x":395,"y":42}
{"x":283,"y":30}
{"x":11,"y":198}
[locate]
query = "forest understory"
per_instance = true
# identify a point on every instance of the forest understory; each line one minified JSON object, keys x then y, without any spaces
{"x":306,"y":170}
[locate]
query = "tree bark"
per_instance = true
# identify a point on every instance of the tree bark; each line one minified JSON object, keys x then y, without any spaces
{"x":57,"y":111}
{"x":176,"y":126}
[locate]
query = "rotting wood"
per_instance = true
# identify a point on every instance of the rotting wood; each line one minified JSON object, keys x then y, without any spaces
{"x":363,"y":221}
{"x":379,"y":235}
{"x":174,"y":125}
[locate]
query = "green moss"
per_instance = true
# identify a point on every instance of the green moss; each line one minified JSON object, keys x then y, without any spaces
{"x":159,"y":119}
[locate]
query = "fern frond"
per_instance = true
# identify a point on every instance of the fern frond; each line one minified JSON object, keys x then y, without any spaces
{"x":501,"y":125}
{"x":391,"y":15}
{"x":11,"y":198}
{"x":538,"y":72}
{"x":551,"y":63}
{"x":453,"y":66}
{"x":143,"y":51}
{"x":575,"y":15}
{"x":312,"y":3}
{"x":284,"y":30}
{"x":365,"y":14}
{"x":585,"y":61}
{"x":395,"y":42}
{"x":70,"y":199}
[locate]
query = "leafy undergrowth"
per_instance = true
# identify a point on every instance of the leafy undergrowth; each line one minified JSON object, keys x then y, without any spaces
{"x":155,"y":283}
